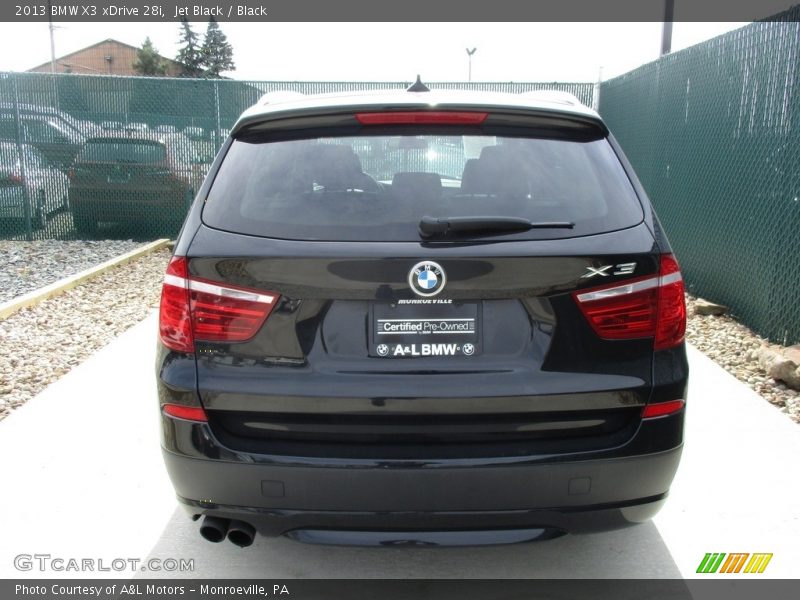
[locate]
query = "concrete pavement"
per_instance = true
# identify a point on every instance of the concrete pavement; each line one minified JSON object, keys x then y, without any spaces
{"x":75,"y":487}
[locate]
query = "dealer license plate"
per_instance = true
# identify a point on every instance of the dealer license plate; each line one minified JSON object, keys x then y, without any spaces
{"x":425,"y":329}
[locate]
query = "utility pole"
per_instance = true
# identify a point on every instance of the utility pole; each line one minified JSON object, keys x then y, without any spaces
{"x":52,"y":37}
{"x":666,"y":28}
{"x":469,"y":58}
{"x":56,"y":103}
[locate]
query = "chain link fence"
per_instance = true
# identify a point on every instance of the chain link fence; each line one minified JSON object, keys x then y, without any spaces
{"x":89,"y":156}
{"x":713,"y":132}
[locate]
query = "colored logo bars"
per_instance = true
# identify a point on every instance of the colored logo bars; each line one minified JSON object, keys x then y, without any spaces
{"x":734,"y":563}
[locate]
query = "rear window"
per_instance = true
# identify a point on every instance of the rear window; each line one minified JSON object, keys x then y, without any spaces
{"x":125,"y":151}
{"x":377,"y":188}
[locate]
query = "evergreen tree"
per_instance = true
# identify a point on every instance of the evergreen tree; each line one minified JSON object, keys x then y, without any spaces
{"x":189,"y":55}
{"x":148,"y":60}
{"x":217,"y":51}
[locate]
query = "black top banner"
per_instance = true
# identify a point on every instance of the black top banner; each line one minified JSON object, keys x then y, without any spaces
{"x":398,"y":10}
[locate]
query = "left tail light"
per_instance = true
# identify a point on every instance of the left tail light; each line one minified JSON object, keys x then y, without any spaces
{"x":652,"y":306}
{"x":194,"y":309}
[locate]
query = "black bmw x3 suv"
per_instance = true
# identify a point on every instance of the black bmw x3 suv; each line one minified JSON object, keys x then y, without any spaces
{"x":421,"y":317}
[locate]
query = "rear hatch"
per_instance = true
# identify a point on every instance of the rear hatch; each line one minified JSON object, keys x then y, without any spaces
{"x":402,"y":287}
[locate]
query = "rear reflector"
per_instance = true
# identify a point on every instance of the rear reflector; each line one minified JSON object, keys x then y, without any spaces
{"x":427,"y":117}
{"x":198,"y":309}
{"x":652,"y":306}
{"x":190,"y":413}
{"x":662,"y":409}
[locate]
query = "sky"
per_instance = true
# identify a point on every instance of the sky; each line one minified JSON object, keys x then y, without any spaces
{"x":387,"y":51}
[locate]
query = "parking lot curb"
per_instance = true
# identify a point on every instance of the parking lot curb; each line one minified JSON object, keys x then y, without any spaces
{"x":62,"y":285}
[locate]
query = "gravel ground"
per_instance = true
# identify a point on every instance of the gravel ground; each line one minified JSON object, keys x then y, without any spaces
{"x":730,"y":344}
{"x":45,"y":341}
{"x":26,"y":266}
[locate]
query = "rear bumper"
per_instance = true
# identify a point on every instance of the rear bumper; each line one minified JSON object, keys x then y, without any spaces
{"x":12,"y":212}
{"x":12,"y":202}
{"x":435,"y":528}
{"x":303,"y":497}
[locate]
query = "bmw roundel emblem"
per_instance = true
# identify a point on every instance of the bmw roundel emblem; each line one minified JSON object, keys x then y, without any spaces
{"x":427,"y":278}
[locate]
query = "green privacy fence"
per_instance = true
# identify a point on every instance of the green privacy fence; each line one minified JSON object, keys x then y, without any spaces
{"x":713,"y":132}
{"x":87,"y":156}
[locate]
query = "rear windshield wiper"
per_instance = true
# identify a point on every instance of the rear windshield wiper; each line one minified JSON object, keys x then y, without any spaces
{"x":452,"y":226}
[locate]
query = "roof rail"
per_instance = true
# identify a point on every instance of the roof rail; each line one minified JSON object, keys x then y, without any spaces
{"x":279,"y":96}
{"x":553,"y":96}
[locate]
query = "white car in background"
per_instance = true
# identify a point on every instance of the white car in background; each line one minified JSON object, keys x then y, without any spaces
{"x":47,"y":187}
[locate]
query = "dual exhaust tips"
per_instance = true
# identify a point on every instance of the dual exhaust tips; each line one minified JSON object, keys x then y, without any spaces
{"x":215,"y":529}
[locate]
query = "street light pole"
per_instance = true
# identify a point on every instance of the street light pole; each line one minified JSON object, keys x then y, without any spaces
{"x":469,"y":58}
{"x":666,"y":29}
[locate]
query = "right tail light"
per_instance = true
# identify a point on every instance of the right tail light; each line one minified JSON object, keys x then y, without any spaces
{"x":652,"y":306}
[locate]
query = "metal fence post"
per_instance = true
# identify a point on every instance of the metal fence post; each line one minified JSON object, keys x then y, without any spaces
{"x":22,"y":165}
{"x":217,"y":141}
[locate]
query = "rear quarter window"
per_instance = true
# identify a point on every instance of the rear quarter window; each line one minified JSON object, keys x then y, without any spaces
{"x":377,"y":188}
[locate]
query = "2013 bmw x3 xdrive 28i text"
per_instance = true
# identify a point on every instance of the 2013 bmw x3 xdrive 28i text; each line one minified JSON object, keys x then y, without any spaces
{"x":421,"y":317}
